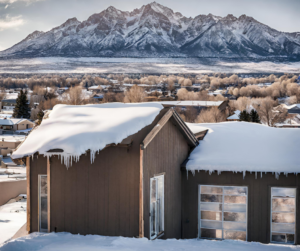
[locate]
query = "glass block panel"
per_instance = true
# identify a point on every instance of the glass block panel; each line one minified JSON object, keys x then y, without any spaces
{"x":235,"y":190}
{"x":211,"y":190}
{"x":208,"y":215}
{"x":234,"y":216}
{"x":283,"y":228}
{"x":290,"y":238}
{"x":235,"y":207}
{"x":283,"y":205}
{"x":283,"y":192}
{"x":235,"y":235}
{"x":206,"y":206}
{"x":211,"y":233}
{"x":211,"y":224}
{"x":235,"y":226}
{"x":283,"y":217}
{"x":278,"y":237}
{"x":211,"y":198}
{"x":235,"y":199}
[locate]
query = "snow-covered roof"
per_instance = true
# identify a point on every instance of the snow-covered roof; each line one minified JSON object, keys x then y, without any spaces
{"x":242,"y":147}
{"x":236,"y":115}
{"x":6,"y":122}
{"x":18,"y":121}
{"x":11,"y":95}
{"x":192,"y":103}
{"x":76,"y":129}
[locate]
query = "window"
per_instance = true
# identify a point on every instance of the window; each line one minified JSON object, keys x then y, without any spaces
{"x":223,"y":212}
{"x":43,"y":204}
{"x":156,"y":206}
{"x":283,"y":215}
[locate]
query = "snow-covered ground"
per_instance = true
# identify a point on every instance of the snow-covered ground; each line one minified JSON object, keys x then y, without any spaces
{"x":141,"y":65}
{"x":12,"y":218}
{"x":66,"y":241}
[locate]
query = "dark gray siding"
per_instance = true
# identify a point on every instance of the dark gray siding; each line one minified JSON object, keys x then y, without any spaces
{"x":259,"y":192}
{"x":165,"y":154}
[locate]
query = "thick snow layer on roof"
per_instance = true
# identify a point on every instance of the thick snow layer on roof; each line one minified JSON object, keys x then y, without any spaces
{"x":76,"y":129}
{"x":6,"y":122}
{"x":242,"y":146}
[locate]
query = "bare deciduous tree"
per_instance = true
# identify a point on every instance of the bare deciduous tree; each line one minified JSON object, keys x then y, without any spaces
{"x":136,"y":94}
{"x":211,"y":115}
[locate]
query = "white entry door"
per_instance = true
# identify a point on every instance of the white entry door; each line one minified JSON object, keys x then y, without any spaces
{"x":156,"y":207}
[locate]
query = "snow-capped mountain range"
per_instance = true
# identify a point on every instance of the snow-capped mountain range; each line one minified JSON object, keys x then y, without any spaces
{"x":157,"y":31}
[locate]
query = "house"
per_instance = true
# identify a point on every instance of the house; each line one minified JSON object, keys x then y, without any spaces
{"x":10,"y":126}
{"x":106,"y":175}
{"x":235,"y":116}
{"x":138,"y":170}
{"x":8,"y":105}
{"x":242,"y":184}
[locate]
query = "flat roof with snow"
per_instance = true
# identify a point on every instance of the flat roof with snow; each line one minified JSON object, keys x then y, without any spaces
{"x":242,"y":147}
{"x":192,"y":103}
{"x":76,"y":129}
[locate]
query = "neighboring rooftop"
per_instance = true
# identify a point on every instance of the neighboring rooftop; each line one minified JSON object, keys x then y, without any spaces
{"x":235,"y":116}
{"x":242,"y":147}
{"x":192,"y":103}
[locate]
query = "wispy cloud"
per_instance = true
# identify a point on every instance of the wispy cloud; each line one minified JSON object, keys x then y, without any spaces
{"x":11,"y":22}
{"x":14,"y":1}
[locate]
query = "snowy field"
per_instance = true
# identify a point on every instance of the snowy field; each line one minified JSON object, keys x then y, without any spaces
{"x":66,"y":241}
{"x":141,"y":65}
{"x":12,"y":218}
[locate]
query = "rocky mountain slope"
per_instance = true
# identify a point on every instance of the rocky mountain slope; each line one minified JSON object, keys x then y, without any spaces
{"x":157,"y":31}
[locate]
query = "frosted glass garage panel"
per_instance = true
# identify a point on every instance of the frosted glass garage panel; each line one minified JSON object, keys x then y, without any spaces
{"x":211,"y":206}
{"x":283,"y":192}
{"x":211,"y":224}
{"x":223,"y":212}
{"x":283,"y":215}
{"x":235,"y":208}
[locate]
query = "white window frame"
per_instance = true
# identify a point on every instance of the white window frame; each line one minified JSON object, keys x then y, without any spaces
{"x":271,"y":210}
{"x":199,"y":210}
{"x":39,"y":202}
{"x":162,"y":201}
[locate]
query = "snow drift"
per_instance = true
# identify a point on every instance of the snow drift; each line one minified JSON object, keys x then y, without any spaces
{"x":76,"y":129}
{"x":242,"y":147}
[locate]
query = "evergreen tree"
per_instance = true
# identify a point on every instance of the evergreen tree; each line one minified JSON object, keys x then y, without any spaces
{"x":254,"y":116}
{"x":40,"y":116}
{"x":22,"y":109}
{"x":244,"y":116}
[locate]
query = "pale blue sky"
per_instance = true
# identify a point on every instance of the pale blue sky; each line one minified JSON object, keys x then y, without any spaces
{"x":18,"y":18}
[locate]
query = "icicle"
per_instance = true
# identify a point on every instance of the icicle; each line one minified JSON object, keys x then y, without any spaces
{"x":256,"y":175}
{"x":260,"y":174}
{"x":244,"y":174}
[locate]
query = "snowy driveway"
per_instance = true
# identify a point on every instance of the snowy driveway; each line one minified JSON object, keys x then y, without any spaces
{"x":66,"y":241}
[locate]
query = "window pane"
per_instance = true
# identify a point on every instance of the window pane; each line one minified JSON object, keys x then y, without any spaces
{"x":153,"y":190}
{"x":235,"y":235}
{"x":283,"y":217}
{"x":278,"y":237}
{"x":211,"y":224}
{"x":235,"y":199}
{"x":207,"y":215}
{"x":235,"y":207}
{"x":211,"y":189}
{"x":234,"y":216}
{"x":290,"y":238}
{"x":211,"y":198}
{"x":284,"y":228}
{"x":211,"y":233}
{"x":160,"y":202}
{"x":44,"y":210}
{"x":283,"y":192}
{"x":211,"y":206}
{"x":283,"y":205}
{"x":235,"y":190}
{"x":43,"y":188}
{"x":234,"y":226}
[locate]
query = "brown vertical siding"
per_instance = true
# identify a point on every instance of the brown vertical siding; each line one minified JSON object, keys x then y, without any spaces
{"x":165,"y":153}
{"x":99,"y":198}
{"x":259,"y":193}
